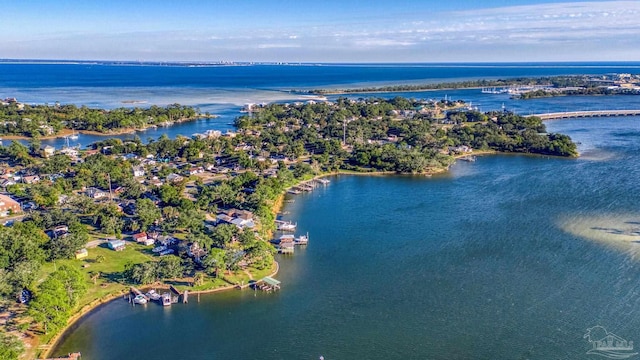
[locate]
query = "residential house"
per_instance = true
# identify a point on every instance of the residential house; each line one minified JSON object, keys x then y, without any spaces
{"x":196,"y":252}
{"x":142,"y":238}
{"x":138,"y":171}
{"x":7,"y":182}
{"x":47,"y":151}
{"x":116,"y":245}
{"x":95,"y":193}
{"x":174,"y":178}
{"x":8,"y":206}
{"x":33,"y":179}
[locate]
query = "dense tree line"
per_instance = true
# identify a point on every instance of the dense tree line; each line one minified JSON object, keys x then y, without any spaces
{"x":40,"y":120}
{"x":588,"y":91}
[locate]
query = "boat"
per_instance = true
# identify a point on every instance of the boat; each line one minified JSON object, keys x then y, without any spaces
{"x":286,"y":226}
{"x":73,"y":135}
{"x":282,"y":225}
{"x":153,"y":295}
{"x":468,"y":158}
{"x":301,"y":240}
{"x":166,"y":299}
{"x":140,"y":299}
{"x":323,"y":181}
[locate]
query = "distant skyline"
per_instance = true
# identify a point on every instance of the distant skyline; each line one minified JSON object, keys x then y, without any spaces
{"x":322,"y":31}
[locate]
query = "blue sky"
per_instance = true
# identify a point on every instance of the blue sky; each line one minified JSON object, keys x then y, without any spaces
{"x":322,"y":30}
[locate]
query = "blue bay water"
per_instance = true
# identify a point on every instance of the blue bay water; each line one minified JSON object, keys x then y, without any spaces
{"x":474,"y":263}
{"x":223,"y":90}
{"x":505,"y":258}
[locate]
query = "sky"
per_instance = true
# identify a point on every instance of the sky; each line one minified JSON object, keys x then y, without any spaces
{"x":321,"y":30}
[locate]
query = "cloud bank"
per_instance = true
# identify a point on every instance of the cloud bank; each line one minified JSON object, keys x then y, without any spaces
{"x":604,"y":30}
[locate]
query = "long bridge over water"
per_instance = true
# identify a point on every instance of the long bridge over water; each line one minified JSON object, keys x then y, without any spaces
{"x":584,"y":114}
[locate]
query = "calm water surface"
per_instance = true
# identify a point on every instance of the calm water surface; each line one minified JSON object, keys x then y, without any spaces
{"x":223,"y":90}
{"x":476,"y":263}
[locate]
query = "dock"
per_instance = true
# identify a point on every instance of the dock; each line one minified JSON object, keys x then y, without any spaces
{"x":267,"y":284}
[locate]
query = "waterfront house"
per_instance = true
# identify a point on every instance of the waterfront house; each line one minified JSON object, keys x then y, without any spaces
{"x":116,"y":245}
{"x":8,"y":206}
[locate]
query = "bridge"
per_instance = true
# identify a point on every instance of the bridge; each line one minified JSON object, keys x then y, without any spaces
{"x":585,"y":114}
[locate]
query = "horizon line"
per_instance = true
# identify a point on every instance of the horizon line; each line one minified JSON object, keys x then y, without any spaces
{"x":248,"y":62}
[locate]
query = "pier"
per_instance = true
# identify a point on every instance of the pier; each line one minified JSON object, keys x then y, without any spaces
{"x":585,"y":114}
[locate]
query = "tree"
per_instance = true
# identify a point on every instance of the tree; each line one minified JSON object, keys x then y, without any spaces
{"x":50,"y":306}
{"x":145,"y":273}
{"x":94,"y":276}
{"x":214,"y":263}
{"x":223,"y":234}
{"x":65,"y":246}
{"x":73,"y":283}
{"x":147,"y":213}
{"x":198,"y":279}
{"x":10,"y":347}
{"x":170,"y":267}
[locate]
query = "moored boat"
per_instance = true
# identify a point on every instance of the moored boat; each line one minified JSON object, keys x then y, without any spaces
{"x":140,"y":299}
{"x":166,"y":299}
{"x":301,"y":240}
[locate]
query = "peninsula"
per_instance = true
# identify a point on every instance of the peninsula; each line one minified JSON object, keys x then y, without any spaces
{"x":521,"y":87}
{"x":23,"y":121}
{"x":199,"y":212}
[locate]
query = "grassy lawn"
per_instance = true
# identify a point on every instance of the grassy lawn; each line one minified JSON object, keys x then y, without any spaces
{"x":110,"y":268}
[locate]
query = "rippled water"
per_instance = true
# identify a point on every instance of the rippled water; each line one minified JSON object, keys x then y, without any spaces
{"x":493,"y":260}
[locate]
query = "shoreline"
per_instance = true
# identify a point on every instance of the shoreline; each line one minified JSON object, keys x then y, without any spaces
{"x":122,"y":131}
{"x":276,"y":208}
{"x":97,"y":304}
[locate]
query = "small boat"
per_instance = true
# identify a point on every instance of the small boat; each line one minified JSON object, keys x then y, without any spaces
{"x":166,"y":299}
{"x":468,"y":158}
{"x":301,"y":240}
{"x":286,"y":226}
{"x":153,"y":295}
{"x":323,"y":181}
{"x":140,"y":299}
{"x":73,"y":135}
